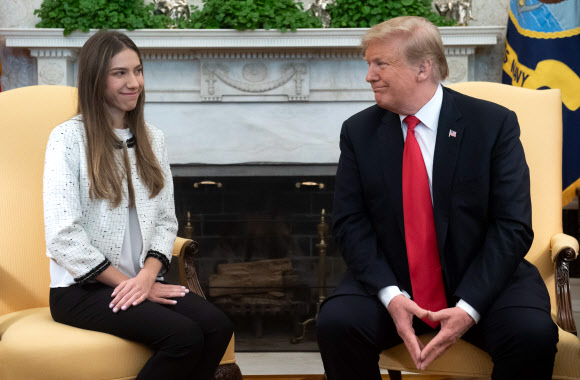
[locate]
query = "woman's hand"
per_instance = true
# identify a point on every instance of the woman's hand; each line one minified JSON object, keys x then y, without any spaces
{"x":131,"y":292}
{"x":161,"y":293}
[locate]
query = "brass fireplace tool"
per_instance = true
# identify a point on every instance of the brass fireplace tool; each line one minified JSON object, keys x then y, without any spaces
{"x":322,"y":232}
{"x":188,"y":229}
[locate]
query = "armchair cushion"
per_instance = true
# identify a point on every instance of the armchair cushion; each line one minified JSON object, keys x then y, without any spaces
{"x":32,"y":343}
{"x":474,"y":362}
{"x":34,"y":346}
{"x":566,"y":365}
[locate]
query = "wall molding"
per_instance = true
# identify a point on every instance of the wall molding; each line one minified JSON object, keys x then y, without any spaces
{"x":227,"y":38}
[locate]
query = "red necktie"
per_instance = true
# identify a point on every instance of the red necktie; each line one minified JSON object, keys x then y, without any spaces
{"x":420,"y":237}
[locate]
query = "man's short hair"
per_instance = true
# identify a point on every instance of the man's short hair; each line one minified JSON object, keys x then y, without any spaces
{"x":422,"y":41}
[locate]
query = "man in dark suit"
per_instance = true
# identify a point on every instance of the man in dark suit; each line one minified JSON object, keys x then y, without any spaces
{"x":432,"y":214}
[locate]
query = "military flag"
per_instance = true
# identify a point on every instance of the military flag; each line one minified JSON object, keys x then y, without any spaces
{"x":543,"y":51}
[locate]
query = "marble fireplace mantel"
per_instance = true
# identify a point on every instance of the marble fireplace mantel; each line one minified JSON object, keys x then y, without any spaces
{"x":225,"y":97}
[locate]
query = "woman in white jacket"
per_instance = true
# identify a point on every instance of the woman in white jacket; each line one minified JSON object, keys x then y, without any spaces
{"x":110,"y":222}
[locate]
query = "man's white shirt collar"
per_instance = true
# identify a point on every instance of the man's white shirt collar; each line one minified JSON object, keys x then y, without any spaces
{"x":429,"y":113}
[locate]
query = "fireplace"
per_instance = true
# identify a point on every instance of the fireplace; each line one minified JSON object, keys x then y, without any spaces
{"x":259,"y":256}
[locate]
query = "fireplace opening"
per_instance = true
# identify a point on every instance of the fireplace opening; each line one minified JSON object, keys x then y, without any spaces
{"x":266,"y":255}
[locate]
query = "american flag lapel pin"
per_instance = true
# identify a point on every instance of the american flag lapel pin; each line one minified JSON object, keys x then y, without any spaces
{"x":452,"y":133}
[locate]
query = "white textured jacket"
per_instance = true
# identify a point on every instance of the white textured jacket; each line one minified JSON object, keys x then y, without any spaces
{"x":85,"y":236}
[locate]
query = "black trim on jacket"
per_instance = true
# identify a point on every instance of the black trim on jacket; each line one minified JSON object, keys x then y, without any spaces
{"x":94,"y":272}
{"x":161,"y":257}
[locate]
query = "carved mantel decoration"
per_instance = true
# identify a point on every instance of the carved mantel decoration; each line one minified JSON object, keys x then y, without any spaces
{"x":248,"y":97}
{"x":253,"y":77}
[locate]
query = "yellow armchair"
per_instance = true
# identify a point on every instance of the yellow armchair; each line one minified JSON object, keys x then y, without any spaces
{"x":32,"y":345}
{"x":540,"y":117}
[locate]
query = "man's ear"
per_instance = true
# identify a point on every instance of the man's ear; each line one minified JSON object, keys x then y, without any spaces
{"x":424,"y":70}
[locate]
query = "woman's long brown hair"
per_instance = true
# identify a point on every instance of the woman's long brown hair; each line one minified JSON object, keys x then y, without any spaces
{"x":105,"y":174}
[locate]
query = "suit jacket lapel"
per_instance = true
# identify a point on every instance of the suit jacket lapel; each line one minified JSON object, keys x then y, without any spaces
{"x":449,"y":133}
{"x":391,"y":160}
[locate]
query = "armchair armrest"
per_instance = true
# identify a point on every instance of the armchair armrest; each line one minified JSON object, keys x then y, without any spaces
{"x":560,"y":242}
{"x":179,"y":245}
{"x":185,"y":250}
{"x":564,"y":249}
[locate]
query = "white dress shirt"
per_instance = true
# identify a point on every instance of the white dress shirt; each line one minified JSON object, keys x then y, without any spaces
{"x":426,"y":134}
